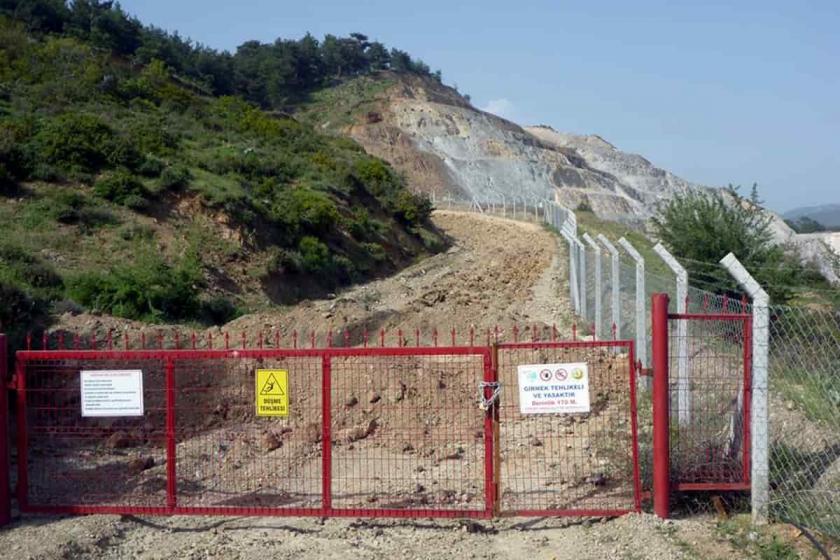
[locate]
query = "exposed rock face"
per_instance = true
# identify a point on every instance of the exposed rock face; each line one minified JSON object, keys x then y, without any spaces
{"x":446,"y":147}
{"x":449,"y":149}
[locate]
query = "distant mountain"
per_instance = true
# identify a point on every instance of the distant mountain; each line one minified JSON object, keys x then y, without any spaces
{"x":826,"y":214}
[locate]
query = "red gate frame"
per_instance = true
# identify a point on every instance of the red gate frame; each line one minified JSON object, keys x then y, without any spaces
{"x":629,"y":345}
{"x":660,"y":322}
{"x":169,"y":357}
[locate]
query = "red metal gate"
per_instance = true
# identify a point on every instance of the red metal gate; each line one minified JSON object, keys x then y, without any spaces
{"x":370,"y":432}
{"x":701,"y":401}
{"x":570,"y":464}
{"x":199,"y":447}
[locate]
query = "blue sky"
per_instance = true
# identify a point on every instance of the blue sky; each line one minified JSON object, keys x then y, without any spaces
{"x":717,"y":92}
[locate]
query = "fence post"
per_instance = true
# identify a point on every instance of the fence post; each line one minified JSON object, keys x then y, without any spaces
{"x":5,"y":491}
{"x":683,"y":382}
{"x":615,"y":278}
{"x":597,"y":250}
{"x":582,"y":279}
{"x":573,"y":272}
{"x":759,"y":420}
{"x":661,"y":407}
{"x":641,"y":316}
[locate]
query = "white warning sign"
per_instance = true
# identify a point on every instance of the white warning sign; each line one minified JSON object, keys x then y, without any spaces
{"x":112,"y":392}
{"x":553,"y":388}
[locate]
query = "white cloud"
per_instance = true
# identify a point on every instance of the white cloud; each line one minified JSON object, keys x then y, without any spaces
{"x":502,"y":107}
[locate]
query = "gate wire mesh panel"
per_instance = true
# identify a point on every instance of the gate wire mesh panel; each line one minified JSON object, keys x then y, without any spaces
{"x":568,"y":463}
{"x":408,"y":433}
{"x":804,"y":408}
{"x":88,"y":461}
{"x":228,"y":457}
{"x":709,"y":388}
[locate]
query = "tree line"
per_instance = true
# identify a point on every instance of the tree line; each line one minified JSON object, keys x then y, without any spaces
{"x":273,"y":75}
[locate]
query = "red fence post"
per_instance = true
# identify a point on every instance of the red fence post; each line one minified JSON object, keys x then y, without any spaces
{"x":661,"y":407}
{"x":5,"y":491}
{"x":171,"y":482}
{"x":326,"y":435}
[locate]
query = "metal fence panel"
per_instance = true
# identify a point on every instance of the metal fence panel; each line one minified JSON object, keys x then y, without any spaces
{"x":570,"y":464}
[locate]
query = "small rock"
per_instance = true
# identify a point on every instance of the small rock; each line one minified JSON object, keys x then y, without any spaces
{"x":312,"y":433}
{"x":597,"y":479}
{"x":535,"y":441}
{"x":270,"y":441}
{"x":351,"y":401}
{"x":118,"y":440}
{"x":374,"y":397}
{"x":140,"y":464}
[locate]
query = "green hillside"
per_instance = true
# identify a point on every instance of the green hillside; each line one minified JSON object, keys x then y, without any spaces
{"x":130,"y":189}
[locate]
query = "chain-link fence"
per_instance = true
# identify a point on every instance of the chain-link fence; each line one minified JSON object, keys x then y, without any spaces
{"x":804,"y":411}
{"x":803,"y":364}
{"x":803,"y":395}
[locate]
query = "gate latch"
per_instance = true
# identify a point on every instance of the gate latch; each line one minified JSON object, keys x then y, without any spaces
{"x":487,"y":402}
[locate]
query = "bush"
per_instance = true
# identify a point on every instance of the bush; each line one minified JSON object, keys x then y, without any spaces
{"x":412,"y":209}
{"x":148,"y":289}
{"x":305,"y":210}
{"x":73,"y":208}
{"x":123,"y":188}
{"x":175,"y":177}
{"x":702,"y":228}
{"x":218,"y":311}
{"x":375,"y":251}
{"x":314,"y":256}
{"x":74,"y":141}
{"x":151,"y":166}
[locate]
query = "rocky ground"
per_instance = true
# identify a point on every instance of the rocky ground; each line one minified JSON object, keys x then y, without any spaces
{"x":630,"y":537}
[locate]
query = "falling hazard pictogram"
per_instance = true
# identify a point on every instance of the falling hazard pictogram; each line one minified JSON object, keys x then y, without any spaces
{"x":272,"y":392}
{"x":272,"y":387}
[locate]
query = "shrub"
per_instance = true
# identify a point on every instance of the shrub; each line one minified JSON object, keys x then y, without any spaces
{"x":147,"y":289}
{"x":75,"y":141}
{"x":175,"y":177}
{"x":123,"y":188}
{"x":314,"y":256}
{"x":73,"y":208}
{"x":151,"y":166}
{"x":376,"y":251}
{"x":412,"y":209}
{"x":218,"y":310}
{"x":702,"y":228}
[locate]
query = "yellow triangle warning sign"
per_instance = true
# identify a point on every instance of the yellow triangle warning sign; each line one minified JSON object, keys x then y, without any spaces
{"x":272,"y":387}
{"x":272,"y":392}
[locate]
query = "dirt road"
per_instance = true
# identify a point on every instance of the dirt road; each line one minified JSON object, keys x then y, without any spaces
{"x":631,"y":537}
{"x":498,"y":272}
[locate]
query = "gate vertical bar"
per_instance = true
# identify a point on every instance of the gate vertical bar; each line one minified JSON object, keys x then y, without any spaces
{"x":634,"y":430}
{"x":661,"y":407}
{"x":597,"y":256}
{"x":641,"y":315}
{"x":22,"y":438}
{"x":326,"y":434}
{"x":759,"y":418}
{"x":683,"y":382}
{"x":171,"y":458}
{"x":5,"y":493}
{"x":492,"y":456}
